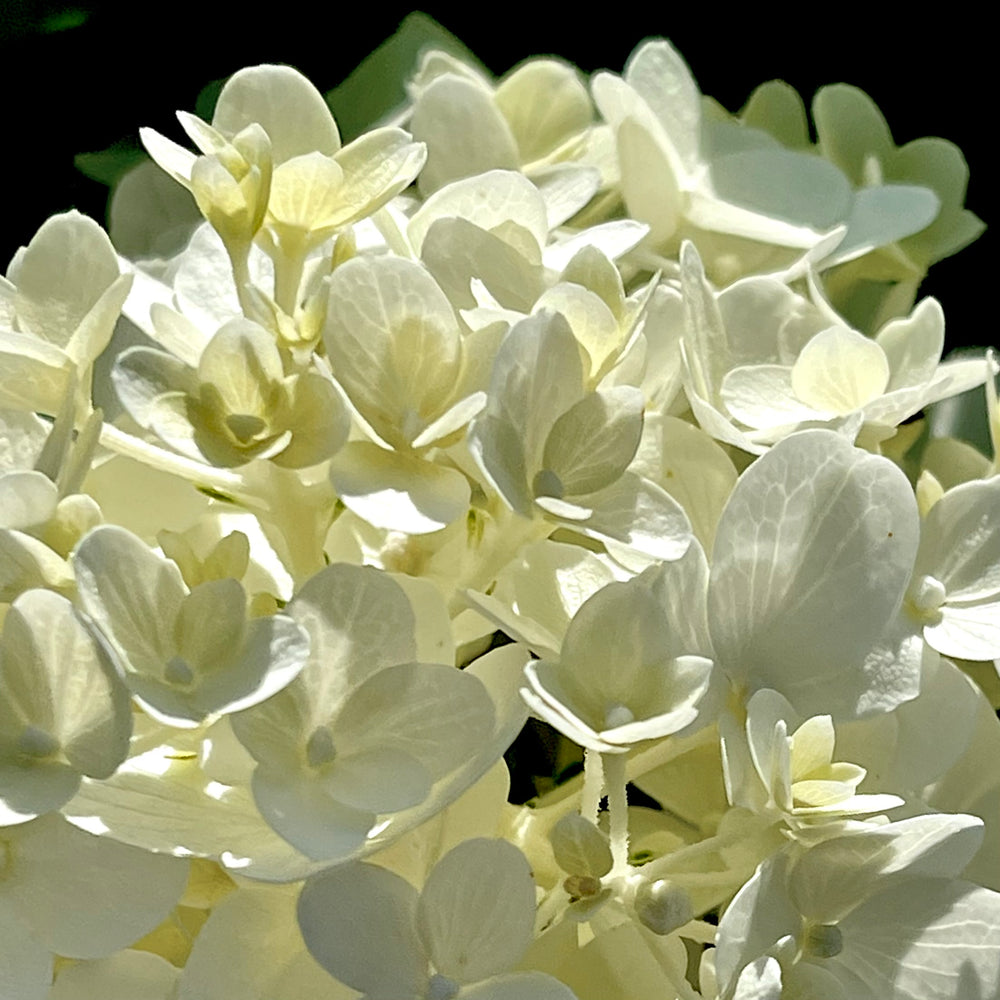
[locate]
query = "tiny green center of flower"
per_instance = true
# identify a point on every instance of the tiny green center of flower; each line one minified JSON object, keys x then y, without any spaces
{"x":618,"y":715}
{"x":36,"y":743}
{"x":582,"y":886}
{"x":824,"y":940}
{"x":925,"y":599}
{"x":441,"y":988}
{"x":319,"y":747}
{"x":178,"y":672}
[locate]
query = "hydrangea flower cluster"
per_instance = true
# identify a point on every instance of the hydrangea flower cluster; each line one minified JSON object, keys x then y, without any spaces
{"x":583,"y":400}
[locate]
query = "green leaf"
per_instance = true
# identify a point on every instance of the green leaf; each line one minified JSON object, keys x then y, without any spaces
{"x":378,"y":86}
{"x":108,"y":166}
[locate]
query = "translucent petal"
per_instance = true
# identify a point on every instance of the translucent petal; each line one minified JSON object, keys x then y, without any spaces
{"x":356,"y":617}
{"x":961,"y":542}
{"x":840,"y":370}
{"x":968,"y":631}
{"x":377,"y":166}
{"x":594,"y":441}
{"x":398,"y":491}
{"x":306,"y":192}
{"x":165,"y":803}
{"x":913,"y":344}
{"x":580,"y":848}
{"x":297,"y":806}
{"x":662,"y":79}
{"x":881,"y":216}
{"x":590,"y":318}
{"x":85,"y":896}
{"x":358,"y":922}
{"x":271,"y":656}
{"x":377,"y":779}
{"x":251,"y":949}
{"x":66,"y":268}
{"x":55,"y":676}
{"x":926,"y":938}
{"x":291,"y":110}
{"x":513,"y":279}
{"x":433,"y":712}
{"x":25,"y":964}
{"x":126,"y":975}
{"x":640,"y":515}
{"x":763,"y":397}
{"x":131,"y":594}
{"x":487,"y":200}
{"x":142,"y":374}
{"x":394,"y":345}
{"x":811,"y":557}
{"x":476,"y":912}
{"x":519,"y":986}
{"x":545,"y":104}
{"x":835,"y":875}
{"x":464,"y":130}
{"x":697,"y":473}
{"x":537,"y":376}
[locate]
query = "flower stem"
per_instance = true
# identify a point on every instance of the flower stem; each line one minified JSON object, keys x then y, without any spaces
{"x":593,"y":785}
{"x":614,"y":780}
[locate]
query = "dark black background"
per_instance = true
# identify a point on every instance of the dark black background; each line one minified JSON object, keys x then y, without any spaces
{"x":113,"y":67}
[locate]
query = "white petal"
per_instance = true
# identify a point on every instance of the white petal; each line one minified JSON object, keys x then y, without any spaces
{"x":593,"y":442}
{"x":465,"y":133}
{"x":297,"y":806}
{"x":883,"y":215}
{"x":580,"y":848}
{"x":85,"y":896}
{"x":358,"y":922}
{"x":126,"y":975}
{"x":832,"y":877}
{"x":927,"y":938}
{"x":131,"y":594}
{"x":810,"y":559}
{"x":56,"y":677}
{"x":662,"y":79}
{"x":477,"y":909}
{"x":290,"y":109}
{"x":167,"y":804}
{"x":762,"y":397}
{"x":840,"y":370}
{"x":640,"y":515}
{"x":968,"y":631}
{"x":431,"y":711}
{"x":251,"y":949}
{"x":913,"y":344}
{"x":520,"y":986}
{"x":487,"y":200}
{"x":25,"y":964}
{"x":67,"y":267}
{"x":961,"y":542}
{"x":398,"y":491}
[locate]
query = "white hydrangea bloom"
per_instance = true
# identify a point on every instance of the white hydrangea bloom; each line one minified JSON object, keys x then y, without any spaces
{"x":955,"y":590}
{"x":185,"y":654}
{"x":460,"y":937}
{"x":63,"y":711}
